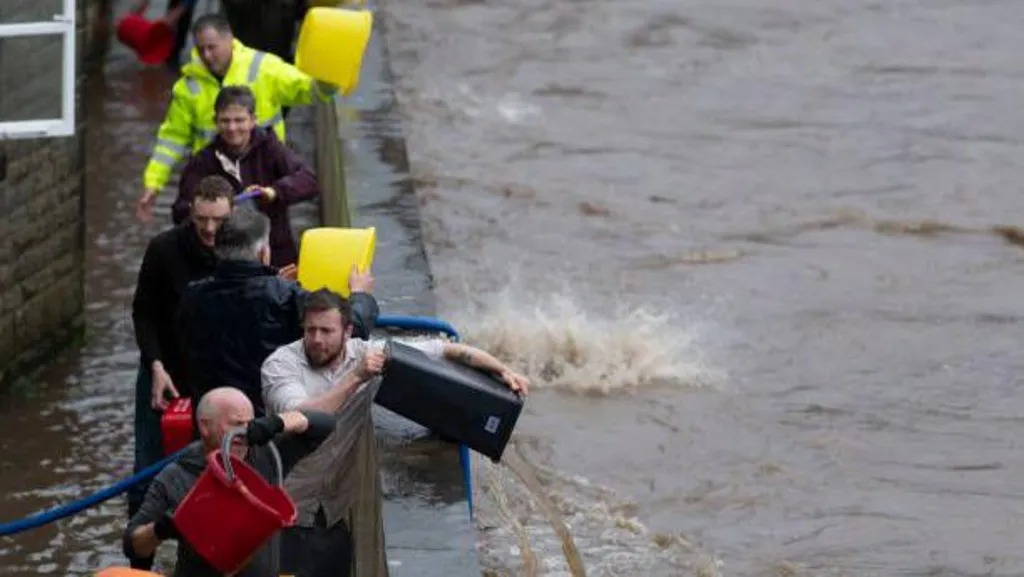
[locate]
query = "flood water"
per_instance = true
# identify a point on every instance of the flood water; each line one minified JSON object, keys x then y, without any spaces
{"x":744,"y":248}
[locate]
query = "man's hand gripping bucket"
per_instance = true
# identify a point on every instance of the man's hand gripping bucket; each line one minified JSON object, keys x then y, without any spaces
{"x":232,"y":511}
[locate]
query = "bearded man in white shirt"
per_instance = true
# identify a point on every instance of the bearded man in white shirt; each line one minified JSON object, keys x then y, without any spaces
{"x":329,"y":371}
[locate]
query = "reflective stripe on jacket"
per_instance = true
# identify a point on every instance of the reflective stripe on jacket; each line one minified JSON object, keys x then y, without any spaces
{"x":189,"y":124}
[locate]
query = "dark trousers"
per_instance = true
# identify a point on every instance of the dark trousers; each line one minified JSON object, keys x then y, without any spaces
{"x":148,"y":447}
{"x":267,"y":25}
{"x":181,"y":32}
{"x":318,"y":551}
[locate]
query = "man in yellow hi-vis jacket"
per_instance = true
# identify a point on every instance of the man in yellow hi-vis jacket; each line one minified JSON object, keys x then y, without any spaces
{"x":220,"y":60}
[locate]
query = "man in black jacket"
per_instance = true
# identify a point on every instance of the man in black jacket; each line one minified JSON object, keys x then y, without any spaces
{"x":173,"y":259}
{"x":229,"y":323}
{"x":222,"y":411}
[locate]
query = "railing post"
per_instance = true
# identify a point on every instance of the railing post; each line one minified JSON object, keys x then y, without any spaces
{"x":330,"y":167}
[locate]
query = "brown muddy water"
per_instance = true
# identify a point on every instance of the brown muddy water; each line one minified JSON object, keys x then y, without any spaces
{"x":745,"y":250}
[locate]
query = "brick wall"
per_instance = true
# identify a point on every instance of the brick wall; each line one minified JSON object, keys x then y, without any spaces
{"x":41,"y":197}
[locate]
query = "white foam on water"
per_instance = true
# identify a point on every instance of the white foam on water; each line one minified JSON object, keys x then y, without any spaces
{"x":517,"y":538}
{"x":559,"y":345}
{"x":564,"y":346}
{"x":514,"y":109}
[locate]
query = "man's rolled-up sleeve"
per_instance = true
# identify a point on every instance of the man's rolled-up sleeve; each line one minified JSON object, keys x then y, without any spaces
{"x":433,"y":348}
{"x":293,"y":448}
{"x":282,"y":390}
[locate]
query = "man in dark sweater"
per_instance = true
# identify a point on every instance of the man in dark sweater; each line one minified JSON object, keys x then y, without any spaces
{"x":230,"y":322}
{"x":222,"y":411}
{"x":173,"y":259}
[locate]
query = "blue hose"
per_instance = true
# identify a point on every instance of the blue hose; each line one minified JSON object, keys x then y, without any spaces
{"x":417,"y":324}
{"x":62,"y":511}
{"x":435,"y":325}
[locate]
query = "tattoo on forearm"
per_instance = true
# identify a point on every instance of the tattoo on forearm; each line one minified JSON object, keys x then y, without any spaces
{"x":465,"y":357}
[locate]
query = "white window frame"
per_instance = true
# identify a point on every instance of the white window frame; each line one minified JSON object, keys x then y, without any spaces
{"x":64,"y":25}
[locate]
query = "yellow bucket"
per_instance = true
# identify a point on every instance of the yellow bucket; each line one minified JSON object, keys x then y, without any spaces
{"x":326,"y":256}
{"x":334,"y":4}
{"x":331,"y":45}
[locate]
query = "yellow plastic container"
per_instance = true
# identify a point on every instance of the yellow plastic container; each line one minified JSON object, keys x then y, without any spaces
{"x":331,"y":45}
{"x":326,"y":256}
{"x":335,"y":4}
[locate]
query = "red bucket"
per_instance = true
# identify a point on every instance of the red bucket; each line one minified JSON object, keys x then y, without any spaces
{"x":232,"y":511}
{"x":152,"y":41}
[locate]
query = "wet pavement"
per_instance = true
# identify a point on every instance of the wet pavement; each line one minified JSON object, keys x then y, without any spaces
{"x":428,"y":529}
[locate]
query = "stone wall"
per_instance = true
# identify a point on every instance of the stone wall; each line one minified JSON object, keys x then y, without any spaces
{"x":41,"y":196}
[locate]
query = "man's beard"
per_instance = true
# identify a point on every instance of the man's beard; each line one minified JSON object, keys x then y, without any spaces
{"x":329,"y":358}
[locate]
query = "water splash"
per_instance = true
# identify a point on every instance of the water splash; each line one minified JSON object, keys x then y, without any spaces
{"x":527,"y":475}
{"x":559,"y":345}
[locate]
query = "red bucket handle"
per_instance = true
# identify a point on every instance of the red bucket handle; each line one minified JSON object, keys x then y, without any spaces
{"x":225,"y":454}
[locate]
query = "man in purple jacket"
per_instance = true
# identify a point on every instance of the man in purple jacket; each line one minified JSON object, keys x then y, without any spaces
{"x":251,"y":158}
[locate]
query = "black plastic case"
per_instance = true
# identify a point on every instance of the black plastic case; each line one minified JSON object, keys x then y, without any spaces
{"x":457,"y":402}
